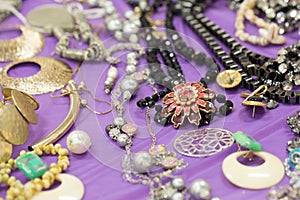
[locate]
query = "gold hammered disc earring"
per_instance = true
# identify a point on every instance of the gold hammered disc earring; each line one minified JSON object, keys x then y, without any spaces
{"x":53,"y":75}
{"x":26,"y":46}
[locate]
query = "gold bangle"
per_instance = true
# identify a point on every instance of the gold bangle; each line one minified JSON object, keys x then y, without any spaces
{"x":66,"y":124}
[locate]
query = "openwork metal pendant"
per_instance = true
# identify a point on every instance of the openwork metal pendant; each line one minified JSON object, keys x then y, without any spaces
{"x":203,"y":142}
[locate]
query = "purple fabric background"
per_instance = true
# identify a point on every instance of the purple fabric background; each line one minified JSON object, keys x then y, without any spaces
{"x":99,"y":169}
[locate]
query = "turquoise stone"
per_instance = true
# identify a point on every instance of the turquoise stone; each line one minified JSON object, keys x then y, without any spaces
{"x":31,"y":165}
{"x":246,"y":141}
{"x":294,"y":157}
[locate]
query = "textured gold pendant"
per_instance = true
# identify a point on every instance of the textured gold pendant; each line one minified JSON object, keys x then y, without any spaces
{"x":229,"y":78}
{"x":24,"y":107}
{"x":26,"y":46}
{"x":5,"y":150}
{"x":53,"y":75}
{"x":6,"y":92}
{"x":13,"y":127}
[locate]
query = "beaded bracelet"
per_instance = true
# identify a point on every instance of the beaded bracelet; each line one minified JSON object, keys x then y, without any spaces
{"x":36,"y":168}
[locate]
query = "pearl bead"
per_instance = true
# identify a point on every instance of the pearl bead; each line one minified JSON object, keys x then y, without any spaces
{"x":112,"y":72}
{"x":178,"y":183}
{"x":177,"y":196}
{"x":92,"y":3}
{"x":143,"y":162}
{"x":122,"y":140}
{"x":78,"y":142}
{"x":129,"y":84}
{"x":200,"y":189}
{"x":114,"y":25}
{"x":119,"y":121}
{"x":130,"y":69}
{"x":129,"y":14}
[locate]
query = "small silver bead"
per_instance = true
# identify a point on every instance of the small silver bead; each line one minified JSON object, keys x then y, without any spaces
{"x":200,"y":189}
{"x":177,"y":196}
{"x":122,"y":140}
{"x":143,"y":162}
{"x":178,"y":183}
{"x":119,"y":121}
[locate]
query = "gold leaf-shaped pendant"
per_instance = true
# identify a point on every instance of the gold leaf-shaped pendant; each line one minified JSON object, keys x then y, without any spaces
{"x":25,"y":107}
{"x":5,"y":150}
{"x":13,"y":127}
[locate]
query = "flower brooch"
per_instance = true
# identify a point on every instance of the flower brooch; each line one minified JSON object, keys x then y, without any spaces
{"x":189,"y":100}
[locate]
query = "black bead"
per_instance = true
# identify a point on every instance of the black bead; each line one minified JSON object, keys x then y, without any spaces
{"x":203,"y":81}
{"x":148,"y":99}
{"x":155,"y":97}
{"x":221,"y":98}
{"x":229,"y":104}
{"x":199,"y":58}
{"x":212,"y":74}
{"x":209,"y":61}
{"x":158,"y":108}
{"x":189,"y":52}
{"x":151,"y":104}
{"x":140,"y":103}
{"x":162,"y":94}
{"x":224,"y":110}
{"x":109,"y":127}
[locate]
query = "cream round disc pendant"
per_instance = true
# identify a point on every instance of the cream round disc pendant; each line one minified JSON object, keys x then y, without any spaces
{"x":49,"y":16}
{"x":263,"y":176}
{"x":71,"y":188}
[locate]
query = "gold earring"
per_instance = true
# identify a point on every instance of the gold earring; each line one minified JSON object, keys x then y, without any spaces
{"x":53,"y":75}
{"x":26,"y":46}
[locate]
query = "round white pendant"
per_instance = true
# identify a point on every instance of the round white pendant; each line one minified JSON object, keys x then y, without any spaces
{"x":71,"y":188}
{"x":263,"y":176}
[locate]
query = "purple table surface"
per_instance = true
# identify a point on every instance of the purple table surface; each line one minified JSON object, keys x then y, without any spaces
{"x":100,"y":168}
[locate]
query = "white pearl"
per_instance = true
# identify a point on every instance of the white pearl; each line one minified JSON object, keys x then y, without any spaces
{"x":133,"y":38}
{"x":177,"y":196}
{"x":129,"y":84}
{"x":143,"y":161}
{"x":92,"y":3}
{"x":178,"y":183}
{"x":131,"y":56}
{"x":114,"y":24}
{"x":130,"y":69}
{"x":200,"y":189}
{"x":119,"y":121}
{"x":119,"y":35}
{"x":128,"y":14}
{"x":78,"y":142}
{"x":122,"y":140}
{"x":112,"y":72}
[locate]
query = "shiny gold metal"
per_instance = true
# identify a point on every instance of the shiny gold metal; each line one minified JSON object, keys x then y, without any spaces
{"x":259,"y":91}
{"x":26,"y":46}
{"x":53,"y":75}
{"x":66,"y":124}
{"x":229,"y":78}
{"x":5,"y":150}
{"x":24,"y":107}
{"x":13,"y":127}
{"x":6,"y":92}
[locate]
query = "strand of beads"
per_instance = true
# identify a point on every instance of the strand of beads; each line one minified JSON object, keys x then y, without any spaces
{"x":17,"y":190}
{"x":268,"y":32}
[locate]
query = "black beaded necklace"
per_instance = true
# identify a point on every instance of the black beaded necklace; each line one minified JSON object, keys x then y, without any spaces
{"x":175,"y":72}
{"x":248,"y":63}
